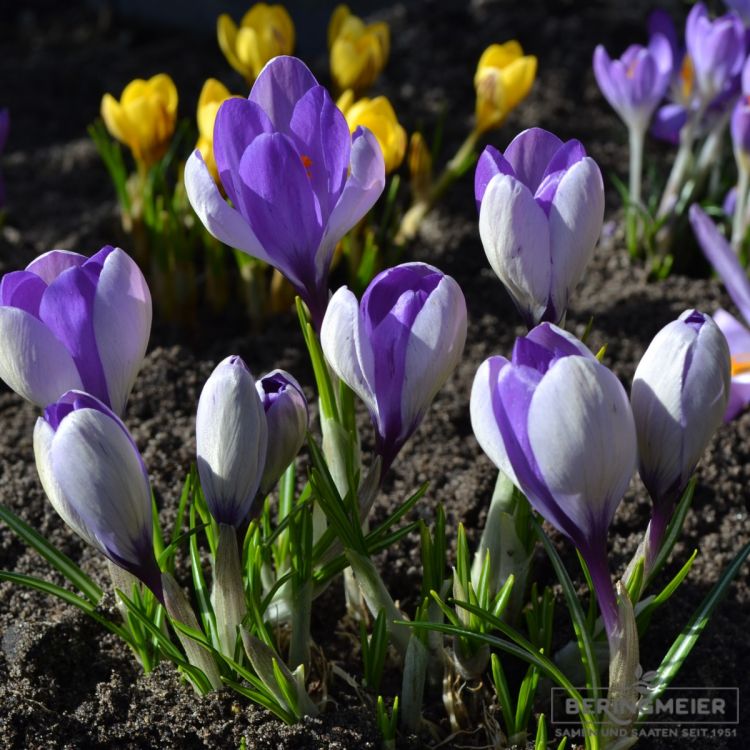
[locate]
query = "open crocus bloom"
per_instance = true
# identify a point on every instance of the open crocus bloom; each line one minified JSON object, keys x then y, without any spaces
{"x":296,"y":178}
{"x":95,"y":478}
{"x":559,"y":425}
{"x":71,"y":322}
{"x":541,"y":207}
{"x":726,"y":264}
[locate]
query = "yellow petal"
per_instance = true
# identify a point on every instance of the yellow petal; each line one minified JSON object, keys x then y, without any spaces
{"x":163,"y":87}
{"x":226,"y":33}
{"x":378,"y":116}
{"x":114,"y":119}
{"x":517,"y":79}
{"x":345,"y":101}
{"x":500,"y":55}
{"x":339,"y":15}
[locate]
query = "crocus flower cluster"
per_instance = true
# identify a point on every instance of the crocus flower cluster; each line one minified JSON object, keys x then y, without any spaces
{"x":358,"y":51}
{"x":68,"y":322}
{"x":397,"y":347}
{"x":541,"y":207}
{"x":288,"y":127}
{"x":143,"y":118}
{"x":265,"y":32}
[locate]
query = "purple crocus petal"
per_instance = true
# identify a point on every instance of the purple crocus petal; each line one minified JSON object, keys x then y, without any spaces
{"x":586,"y":455}
{"x":280,"y":85}
{"x":66,"y":309}
{"x":122,"y":324}
{"x":220,"y":219}
{"x":529,"y":153}
{"x":490,"y":163}
{"x":238,"y":122}
{"x":738,"y":338}
{"x":668,"y":122}
{"x":4,"y":127}
{"x":23,"y":290}
{"x":660,"y":22}
{"x":50,"y":265}
{"x":34,"y":363}
{"x":724,"y":260}
{"x":346,"y":350}
{"x":746,"y":77}
{"x":576,"y":216}
{"x":565,"y":157}
{"x":730,"y":201}
{"x":282,"y":212}
{"x":603,"y":75}
{"x":516,"y":238}
{"x":558,"y":341}
{"x":664,"y":55}
{"x":435,"y":344}
{"x":740,"y":127}
{"x":322,"y":139}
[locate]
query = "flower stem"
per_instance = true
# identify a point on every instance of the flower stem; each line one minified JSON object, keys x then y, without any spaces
{"x":228,"y":591}
{"x":637,"y":138}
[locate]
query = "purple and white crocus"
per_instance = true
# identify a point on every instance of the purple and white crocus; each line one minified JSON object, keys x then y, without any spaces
{"x":541,"y":207}
{"x":679,"y":397}
{"x":287,"y":418}
{"x":94,"y":476}
{"x":559,"y":425}
{"x":397,"y":347}
{"x":734,"y":277}
{"x":68,"y":322}
{"x":297,"y":180}
{"x":231,"y":440}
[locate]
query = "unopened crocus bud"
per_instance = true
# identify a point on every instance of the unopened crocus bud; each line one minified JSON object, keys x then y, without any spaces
{"x":734,"y":277}
{"x":265,"y":32}
{"x":287,"y":417}
{"x":716,"y":49}
{"x":397,"y":347}
{"x":68,"y":322}
{"x":679,"y":397}
{"x":213,"y":94}
{"x":4,"y":129}
{"x":231,"y":441}
{"x":378,"y":116}
{"x":358,"y":51}
{"x":94,"y":476}
{"x":144,"y":117}
{"x":420,"y":167}
{"x":503,"y":80}
{"x":636,"y":83}
{"x":541,"y":208}
{"x":559,"y":424}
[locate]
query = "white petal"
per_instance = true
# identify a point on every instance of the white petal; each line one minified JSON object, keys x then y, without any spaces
{"x":582,"y":434}
{"x":220,"y":219}
{"x":349,"y":357}
{"x":575,"y":223}
{"x":33,"y":362}
{"x":122,"y":324}
{"x":483,"y":421}
{"x":516,"y":237}
{"x":435,"y":345}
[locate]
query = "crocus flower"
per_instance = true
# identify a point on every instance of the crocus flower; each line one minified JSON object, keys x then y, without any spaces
{"x":378,"y":116}
{"x":265,"y":32}
{"x":231,"y":440}
{"x":358,"y":51}
{"x":679,"y":397}
{"x":716,"y":49}
{"x":95,"y":479}
{"x":636,"y":83}
{"x":4,"y":129}
{"x":287,"y":417}
{"x":741,"y":8}
{"x":559,"y":425}
{"x":297,"y":180}
{"x":726,"y":264}
{"x":397,"y":348}
{"x":144,"y":118}
{"x":503,"y":79}
{"x":213,"y":94}
{"x":68,"y":322}
{"x":541,"y":208}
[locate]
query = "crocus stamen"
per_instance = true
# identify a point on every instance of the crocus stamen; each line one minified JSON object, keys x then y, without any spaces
{"x":306,"y":163}
{"x":687,"y":75}
{"x":740,"y":364}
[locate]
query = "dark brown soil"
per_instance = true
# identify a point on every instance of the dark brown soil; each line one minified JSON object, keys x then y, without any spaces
{"x":64,"y":683}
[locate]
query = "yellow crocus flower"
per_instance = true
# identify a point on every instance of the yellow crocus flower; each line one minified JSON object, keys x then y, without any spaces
{"x":359,"y":51}
{"x":265,"y":31}
{"x":503,"y":79}
{"x":213,"y":94}
{"x":144,"y":118}
{"x":378,"y":116}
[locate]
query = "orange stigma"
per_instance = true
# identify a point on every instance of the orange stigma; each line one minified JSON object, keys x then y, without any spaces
{"x":740,"y":365}
{"x":687,"y":74}
{"x":306,"y":163}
